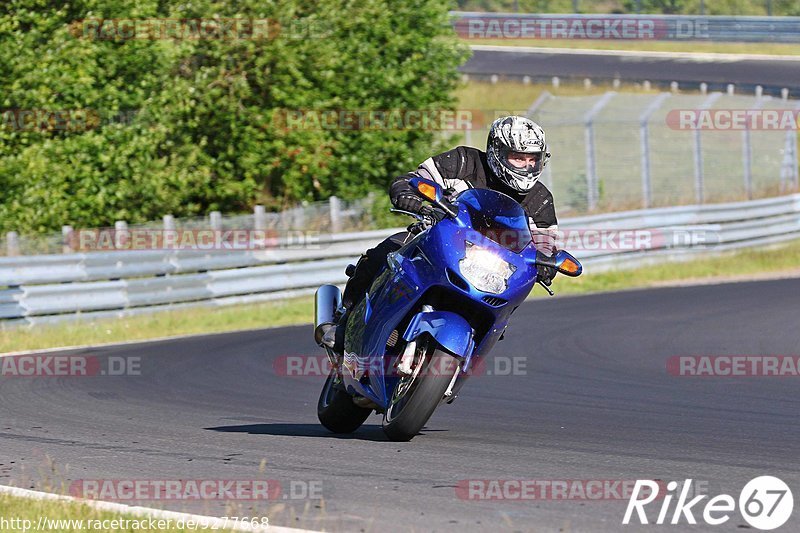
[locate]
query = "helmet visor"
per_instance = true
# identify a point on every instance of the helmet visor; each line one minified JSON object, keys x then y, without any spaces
{"x":521,"y":160}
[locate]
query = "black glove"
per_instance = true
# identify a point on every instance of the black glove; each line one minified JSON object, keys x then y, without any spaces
{"x":408,"y":202}
{"x":545,"y":274}
{"x":436,"y":215}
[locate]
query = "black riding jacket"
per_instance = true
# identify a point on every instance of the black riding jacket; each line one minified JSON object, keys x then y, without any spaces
{"x":465,"y":167}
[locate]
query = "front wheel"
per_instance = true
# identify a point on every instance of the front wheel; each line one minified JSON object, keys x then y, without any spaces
{"x":336,"y":410}
{"x":416,"y":397}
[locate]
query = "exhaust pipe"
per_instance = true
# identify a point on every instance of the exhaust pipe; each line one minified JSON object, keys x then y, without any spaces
{"x":327,"y":302}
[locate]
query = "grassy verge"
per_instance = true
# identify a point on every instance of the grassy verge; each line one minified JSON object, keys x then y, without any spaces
{"x":649,"y":46}
{"x":733,"y":265}
{"x":160,"y":324}
{"x":512,"y":96}
{"x":23,"y":514}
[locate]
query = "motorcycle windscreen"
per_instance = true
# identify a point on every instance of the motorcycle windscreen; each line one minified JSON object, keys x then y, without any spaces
{"x":497,"y":217}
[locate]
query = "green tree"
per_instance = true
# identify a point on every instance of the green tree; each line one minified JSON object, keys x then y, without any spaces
{"x":185,"y":125}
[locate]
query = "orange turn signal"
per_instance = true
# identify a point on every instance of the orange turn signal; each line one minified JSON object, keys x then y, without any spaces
{"x":427,"y":190}
{"x":569,"y":266}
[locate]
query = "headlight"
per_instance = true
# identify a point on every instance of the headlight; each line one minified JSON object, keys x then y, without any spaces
{"x":485,"y":270}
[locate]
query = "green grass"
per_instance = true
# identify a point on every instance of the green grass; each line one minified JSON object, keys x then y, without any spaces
{"x":160,"y":324}
{"x":26,"y":509}
{"x":649,"y":46}
{"x":731,"y":265}
{"x":514,"y":96}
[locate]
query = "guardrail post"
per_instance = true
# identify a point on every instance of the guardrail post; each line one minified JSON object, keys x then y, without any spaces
{"x":259,"y":218}
{"x":120,"y":234}
{"x":66,"y":239}
{"x":644,"y":136}
{"x":335,"y":206}
{"x":12,"y":243}
{"x":215,"y":220}
{"x":169,"y":223}
{"x":592,"y":182}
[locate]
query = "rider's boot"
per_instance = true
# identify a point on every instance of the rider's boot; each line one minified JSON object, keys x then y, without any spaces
{"x":333,"y":337}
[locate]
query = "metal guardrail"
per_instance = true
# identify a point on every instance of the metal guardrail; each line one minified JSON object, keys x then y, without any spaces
{"x":48,"y":288}
{"x":665,"y":27}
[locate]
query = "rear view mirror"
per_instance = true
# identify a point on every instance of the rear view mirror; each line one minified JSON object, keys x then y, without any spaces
{"x":432,"y":191}
{"x":567,"y":264}
{"x":562,"y":261}
{"x":427,"y":189}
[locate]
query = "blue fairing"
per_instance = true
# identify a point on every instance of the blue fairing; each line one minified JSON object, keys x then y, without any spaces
{"x":451,"y":331}
{"x":465,"y":322}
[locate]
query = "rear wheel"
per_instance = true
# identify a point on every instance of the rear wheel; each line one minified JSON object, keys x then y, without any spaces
{"x":416,"y":397}
{"x":336,"y":410}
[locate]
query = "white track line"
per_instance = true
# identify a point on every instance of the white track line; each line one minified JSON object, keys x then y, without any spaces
{"x":688,"y":56}
{"x":209,"y":522}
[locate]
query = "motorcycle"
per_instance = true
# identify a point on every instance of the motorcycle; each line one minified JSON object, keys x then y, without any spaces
{"x":435,"y":311}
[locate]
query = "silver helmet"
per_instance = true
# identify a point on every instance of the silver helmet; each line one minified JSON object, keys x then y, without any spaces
{"x":517,"y":136}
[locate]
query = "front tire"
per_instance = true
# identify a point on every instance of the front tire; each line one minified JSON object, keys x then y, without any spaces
{"x":335,"y":408}
{"x":413,"y":402}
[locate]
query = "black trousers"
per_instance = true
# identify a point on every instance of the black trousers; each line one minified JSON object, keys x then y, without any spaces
{"x":368,"y":267}
{"x":366,"y":271}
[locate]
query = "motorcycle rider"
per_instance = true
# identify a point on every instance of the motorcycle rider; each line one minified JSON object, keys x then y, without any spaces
{"x":516,"y":153}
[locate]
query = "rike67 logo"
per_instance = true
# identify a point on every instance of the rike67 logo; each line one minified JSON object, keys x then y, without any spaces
{"x":765,"y":503}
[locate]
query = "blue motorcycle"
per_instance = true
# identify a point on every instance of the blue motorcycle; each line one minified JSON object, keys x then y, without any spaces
{"x":434,"y":312}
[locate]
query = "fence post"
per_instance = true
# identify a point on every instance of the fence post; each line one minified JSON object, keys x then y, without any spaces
{"x":592,"y":183}
{"x":699,"y":186}
{"x":335,"y":206}
{"x":789,"y":164}
{"x":548,"y":175}
{"x":12,"y":243}
{"x":644,"y":136}
{"x":66,"y":239}
{"x":545,"y":96}
{"x":747,"y":153}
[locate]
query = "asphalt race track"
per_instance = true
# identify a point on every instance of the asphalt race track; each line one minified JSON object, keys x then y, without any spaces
{"x":594,"y":401}
{"x":745,"y":73}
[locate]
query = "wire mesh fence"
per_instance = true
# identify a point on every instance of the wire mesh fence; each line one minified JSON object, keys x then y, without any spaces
{"x":621,"y":151}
